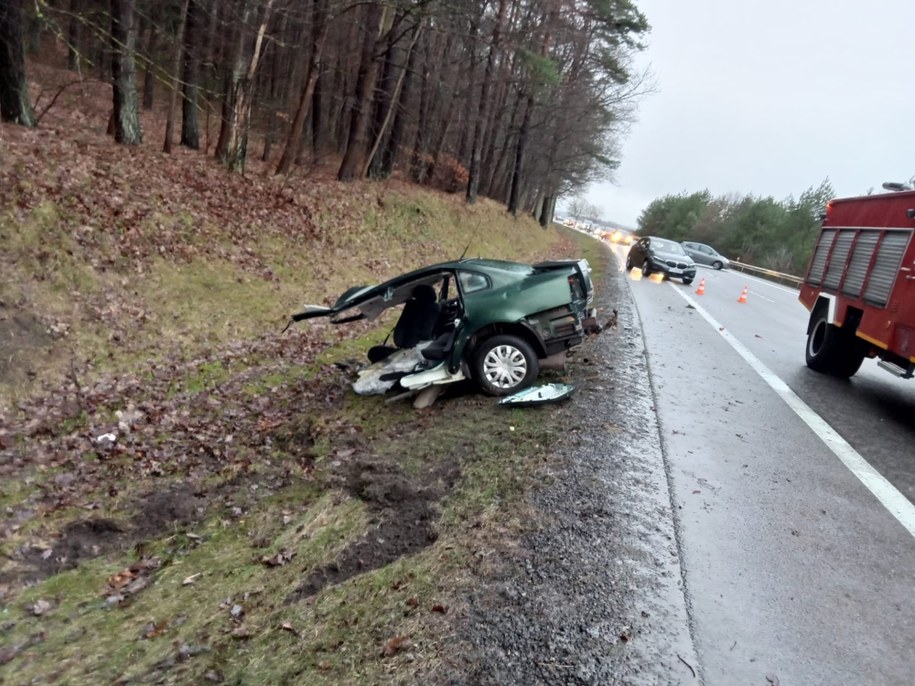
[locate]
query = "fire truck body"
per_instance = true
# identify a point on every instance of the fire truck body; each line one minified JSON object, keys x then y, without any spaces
{"x":860,"y":286}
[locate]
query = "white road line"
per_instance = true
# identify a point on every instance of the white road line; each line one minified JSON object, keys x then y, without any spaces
{"x":894,"y":501}
{"x":760,"y":295}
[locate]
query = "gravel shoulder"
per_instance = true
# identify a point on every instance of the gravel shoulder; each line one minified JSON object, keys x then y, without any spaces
{"x":593,"y":592}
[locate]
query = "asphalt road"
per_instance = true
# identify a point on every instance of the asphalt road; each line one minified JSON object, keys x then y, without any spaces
{"x":798,"y":558}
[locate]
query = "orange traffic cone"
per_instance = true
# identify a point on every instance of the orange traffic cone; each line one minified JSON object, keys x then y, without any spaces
{"x":743,"y":296}
{"x":701,"y":289}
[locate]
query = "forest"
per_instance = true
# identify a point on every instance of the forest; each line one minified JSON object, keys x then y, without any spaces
{"x":520,"y":101}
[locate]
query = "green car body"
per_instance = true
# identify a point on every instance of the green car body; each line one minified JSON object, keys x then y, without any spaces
{"x":541,"y":309}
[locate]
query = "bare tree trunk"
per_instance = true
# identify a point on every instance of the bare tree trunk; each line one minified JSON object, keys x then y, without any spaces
{"x":176,"y":73}
{"x":466,"y":140}
{"x":14,"y":91}
{"x":382,"y":99}
{"x":293,"y":145}
{"x":149,"y":75}
{"x":269,"y":137}
{"x":519,"y":157}
{"x":190,"y":133}
{"x":242,"y":85}
{"x":123,"y":70}
{"x":395,"y":96}
{"x":230,"y":59}
{"x":341,"y":115}
{"x":32,"y":30}
{"x":499,"y":129}
{"x":206,"y":144}
{"x":317,"y":112}
{"x":445,"y":115}
{"x":439,"y":147}
{"x":473,"y":181}
{"x":417,"y":159}
{"x":73,"y":36}
{"x":400,"y":117}
{"x":547,"y":210}
{"x":365,"y":87}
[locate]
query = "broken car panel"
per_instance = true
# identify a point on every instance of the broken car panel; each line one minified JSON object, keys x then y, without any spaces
{"x":495,"y":321}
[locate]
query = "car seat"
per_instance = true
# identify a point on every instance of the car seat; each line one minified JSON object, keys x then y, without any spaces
{"x":416,"y":323}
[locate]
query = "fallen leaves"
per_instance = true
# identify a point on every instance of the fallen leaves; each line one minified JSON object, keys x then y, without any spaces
{"x":279,"y":559}
{"x":287,"y":626}
{"x":395,"y":645}
{"x":153,"y":629}
{"x":130,"y":581}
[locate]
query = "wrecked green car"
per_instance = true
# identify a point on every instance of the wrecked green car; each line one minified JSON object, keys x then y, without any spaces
{"x":494,"y":321}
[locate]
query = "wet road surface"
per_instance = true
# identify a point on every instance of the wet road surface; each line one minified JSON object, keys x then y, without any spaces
{"x":795,"y":572}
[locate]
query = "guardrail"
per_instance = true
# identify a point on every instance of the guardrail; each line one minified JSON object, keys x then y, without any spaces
{"x":779,"y":277}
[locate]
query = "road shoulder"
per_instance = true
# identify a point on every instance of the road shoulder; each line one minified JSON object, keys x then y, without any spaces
{"x":593,"y":592}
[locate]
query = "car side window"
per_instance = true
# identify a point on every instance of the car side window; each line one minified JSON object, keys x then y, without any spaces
{"x":472,"y":282}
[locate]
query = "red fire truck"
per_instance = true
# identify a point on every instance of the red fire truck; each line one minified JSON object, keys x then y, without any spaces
{"x":860,"y":286}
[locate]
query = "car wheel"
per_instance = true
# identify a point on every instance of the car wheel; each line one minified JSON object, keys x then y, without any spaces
{"x":687,"y":282}
{"x":505,"y":364}
{"x":628,"y":262}
{"x":717,"y":265}
{"x":830,"y":349}
{"x":646,"y":267}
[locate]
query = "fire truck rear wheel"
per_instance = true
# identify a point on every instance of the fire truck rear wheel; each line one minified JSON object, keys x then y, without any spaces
{"x":832,"y":350}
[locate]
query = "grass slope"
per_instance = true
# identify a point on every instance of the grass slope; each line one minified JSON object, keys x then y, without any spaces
{"x":253,"y":521}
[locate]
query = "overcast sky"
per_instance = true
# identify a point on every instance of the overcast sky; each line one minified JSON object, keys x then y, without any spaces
{"x":769,"y":97}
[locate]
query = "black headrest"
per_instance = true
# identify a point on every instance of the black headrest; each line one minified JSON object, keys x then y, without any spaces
{"x":424,"y":293}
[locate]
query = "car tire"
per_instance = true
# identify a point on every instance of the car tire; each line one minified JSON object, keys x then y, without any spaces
{"x":717,"y":265}
{"x":646,"y":267}
{"x":830,"y":349}
{"x":505,"y":364}
{"x":628,"y":262}
{"x":687,"y":282}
